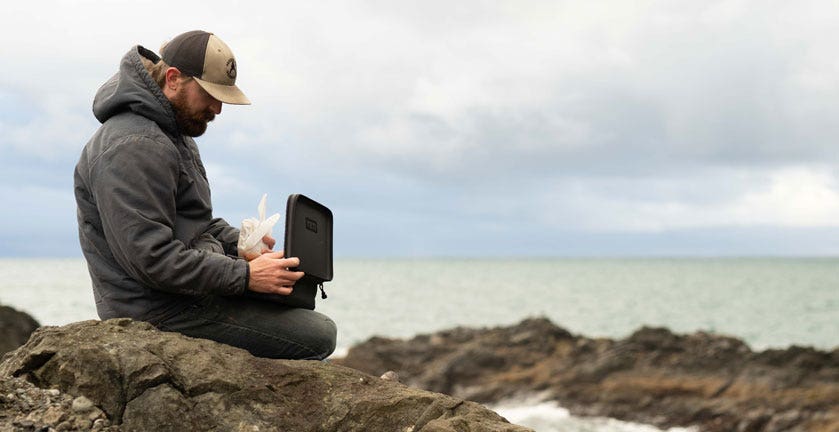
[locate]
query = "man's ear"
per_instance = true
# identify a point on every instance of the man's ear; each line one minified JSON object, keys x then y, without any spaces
{"x":173,"y":78}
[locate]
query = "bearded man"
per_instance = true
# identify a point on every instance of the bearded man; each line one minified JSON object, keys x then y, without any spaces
{"x":154,"y":250}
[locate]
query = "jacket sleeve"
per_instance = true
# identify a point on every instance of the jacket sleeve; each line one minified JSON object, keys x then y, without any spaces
{"x":225,"y":234}
{"x":135,"y":185}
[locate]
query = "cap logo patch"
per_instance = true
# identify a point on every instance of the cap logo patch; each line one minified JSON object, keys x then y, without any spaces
{"x":231,"y":68}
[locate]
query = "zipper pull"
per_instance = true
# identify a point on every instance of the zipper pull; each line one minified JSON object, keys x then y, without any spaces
{"x":322,"y":292}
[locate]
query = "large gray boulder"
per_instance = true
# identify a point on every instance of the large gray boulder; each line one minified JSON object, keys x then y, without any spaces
{"x":129,"y":376}
{"x":15,"y":328}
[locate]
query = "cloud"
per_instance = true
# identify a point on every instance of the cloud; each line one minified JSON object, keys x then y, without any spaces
{"x":615,"y":90}
{"x":789,"y":197}
{"x":795,"y":197}
{"x":49,"y":127}
{"x":38,"y":220}
{"x":470,"y":118}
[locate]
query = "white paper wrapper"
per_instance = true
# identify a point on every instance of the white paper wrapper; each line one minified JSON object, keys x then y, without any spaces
{"x":253,"y":230}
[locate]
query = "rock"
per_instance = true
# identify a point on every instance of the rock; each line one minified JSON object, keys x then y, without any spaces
{"x":390,"y":376}
{"x":137,"y":378}
{"x":15,"y":328}
{"x":25,"y":407}
{"x":653,"y":376}
{"x":82,"y":404}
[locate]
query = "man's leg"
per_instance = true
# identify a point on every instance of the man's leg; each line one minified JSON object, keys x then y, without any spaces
{"x":263,"y":328}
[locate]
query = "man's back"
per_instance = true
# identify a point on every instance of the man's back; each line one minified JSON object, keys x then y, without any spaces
{"x":139,"y":185}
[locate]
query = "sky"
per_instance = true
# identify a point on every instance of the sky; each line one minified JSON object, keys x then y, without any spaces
{"x":468,"y":128}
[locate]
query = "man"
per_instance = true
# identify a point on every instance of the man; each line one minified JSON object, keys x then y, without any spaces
{"x":154,"y":250}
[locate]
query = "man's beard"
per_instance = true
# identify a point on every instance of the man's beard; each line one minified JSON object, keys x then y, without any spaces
{"x":189,"y":122}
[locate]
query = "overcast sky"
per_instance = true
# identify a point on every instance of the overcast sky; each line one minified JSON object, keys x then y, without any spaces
{"x":467,"y":128}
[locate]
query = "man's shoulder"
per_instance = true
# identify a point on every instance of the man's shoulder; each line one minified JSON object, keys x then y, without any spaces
{"x":129,"y":123}
{"x":130,"y":127}
{"x":129,"y":133}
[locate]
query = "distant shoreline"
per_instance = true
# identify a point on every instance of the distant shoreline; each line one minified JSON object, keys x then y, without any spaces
{"x":653,"y":376}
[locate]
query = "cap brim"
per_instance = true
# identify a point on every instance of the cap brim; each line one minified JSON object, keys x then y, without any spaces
{"x":227,"y":94}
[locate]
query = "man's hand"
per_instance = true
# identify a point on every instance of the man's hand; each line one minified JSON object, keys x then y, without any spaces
{"x":269,"y":273}
{"x":269,"y":241}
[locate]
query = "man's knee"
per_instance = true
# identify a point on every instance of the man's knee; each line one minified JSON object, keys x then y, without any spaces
{"x":324,"y":341}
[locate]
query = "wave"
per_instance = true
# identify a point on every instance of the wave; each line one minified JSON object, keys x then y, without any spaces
{"x":548,"y":416}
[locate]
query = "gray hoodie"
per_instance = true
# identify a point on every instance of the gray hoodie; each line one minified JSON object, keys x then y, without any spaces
{"x":146,"y":223}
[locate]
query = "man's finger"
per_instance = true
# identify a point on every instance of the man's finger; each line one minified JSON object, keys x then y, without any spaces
{"x":273,"y":255}
{"x":284,"y":290}
{"x":290,"y":262}
{"x":268,"y":240}
{"x":291,"y":277}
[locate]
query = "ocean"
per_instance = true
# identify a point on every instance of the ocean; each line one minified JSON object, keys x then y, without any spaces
{"x":767,"y":302}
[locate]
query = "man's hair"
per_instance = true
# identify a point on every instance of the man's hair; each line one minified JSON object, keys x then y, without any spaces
{"x":158,"y":71}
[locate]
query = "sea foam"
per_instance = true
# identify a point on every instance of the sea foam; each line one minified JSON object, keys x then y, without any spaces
{"x":548,"y":416}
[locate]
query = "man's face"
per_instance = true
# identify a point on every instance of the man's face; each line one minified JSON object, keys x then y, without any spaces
{"x":194,"y":108}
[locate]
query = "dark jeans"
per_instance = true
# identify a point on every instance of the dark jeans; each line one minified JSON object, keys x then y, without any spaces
{"x":263,"y":328}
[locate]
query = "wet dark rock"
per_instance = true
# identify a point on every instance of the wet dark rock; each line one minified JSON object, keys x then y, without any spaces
{"x":15,"y":328}
{"x":125,"y":375}
{"x":653,"y":376}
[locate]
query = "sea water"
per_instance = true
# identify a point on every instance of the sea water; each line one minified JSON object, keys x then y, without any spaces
{"x":767,"y":302}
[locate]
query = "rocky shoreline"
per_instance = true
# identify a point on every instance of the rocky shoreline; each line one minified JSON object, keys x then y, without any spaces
{"x":121,"y":375}
{"x":713,"y":382}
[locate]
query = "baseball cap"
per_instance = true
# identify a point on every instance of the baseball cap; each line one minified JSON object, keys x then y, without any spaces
{"x":203,"y":56}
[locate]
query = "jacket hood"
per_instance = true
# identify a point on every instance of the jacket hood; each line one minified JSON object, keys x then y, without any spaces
{"x":133,"y":89}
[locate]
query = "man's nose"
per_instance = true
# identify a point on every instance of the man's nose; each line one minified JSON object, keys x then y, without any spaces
{"x":215,"y":107}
